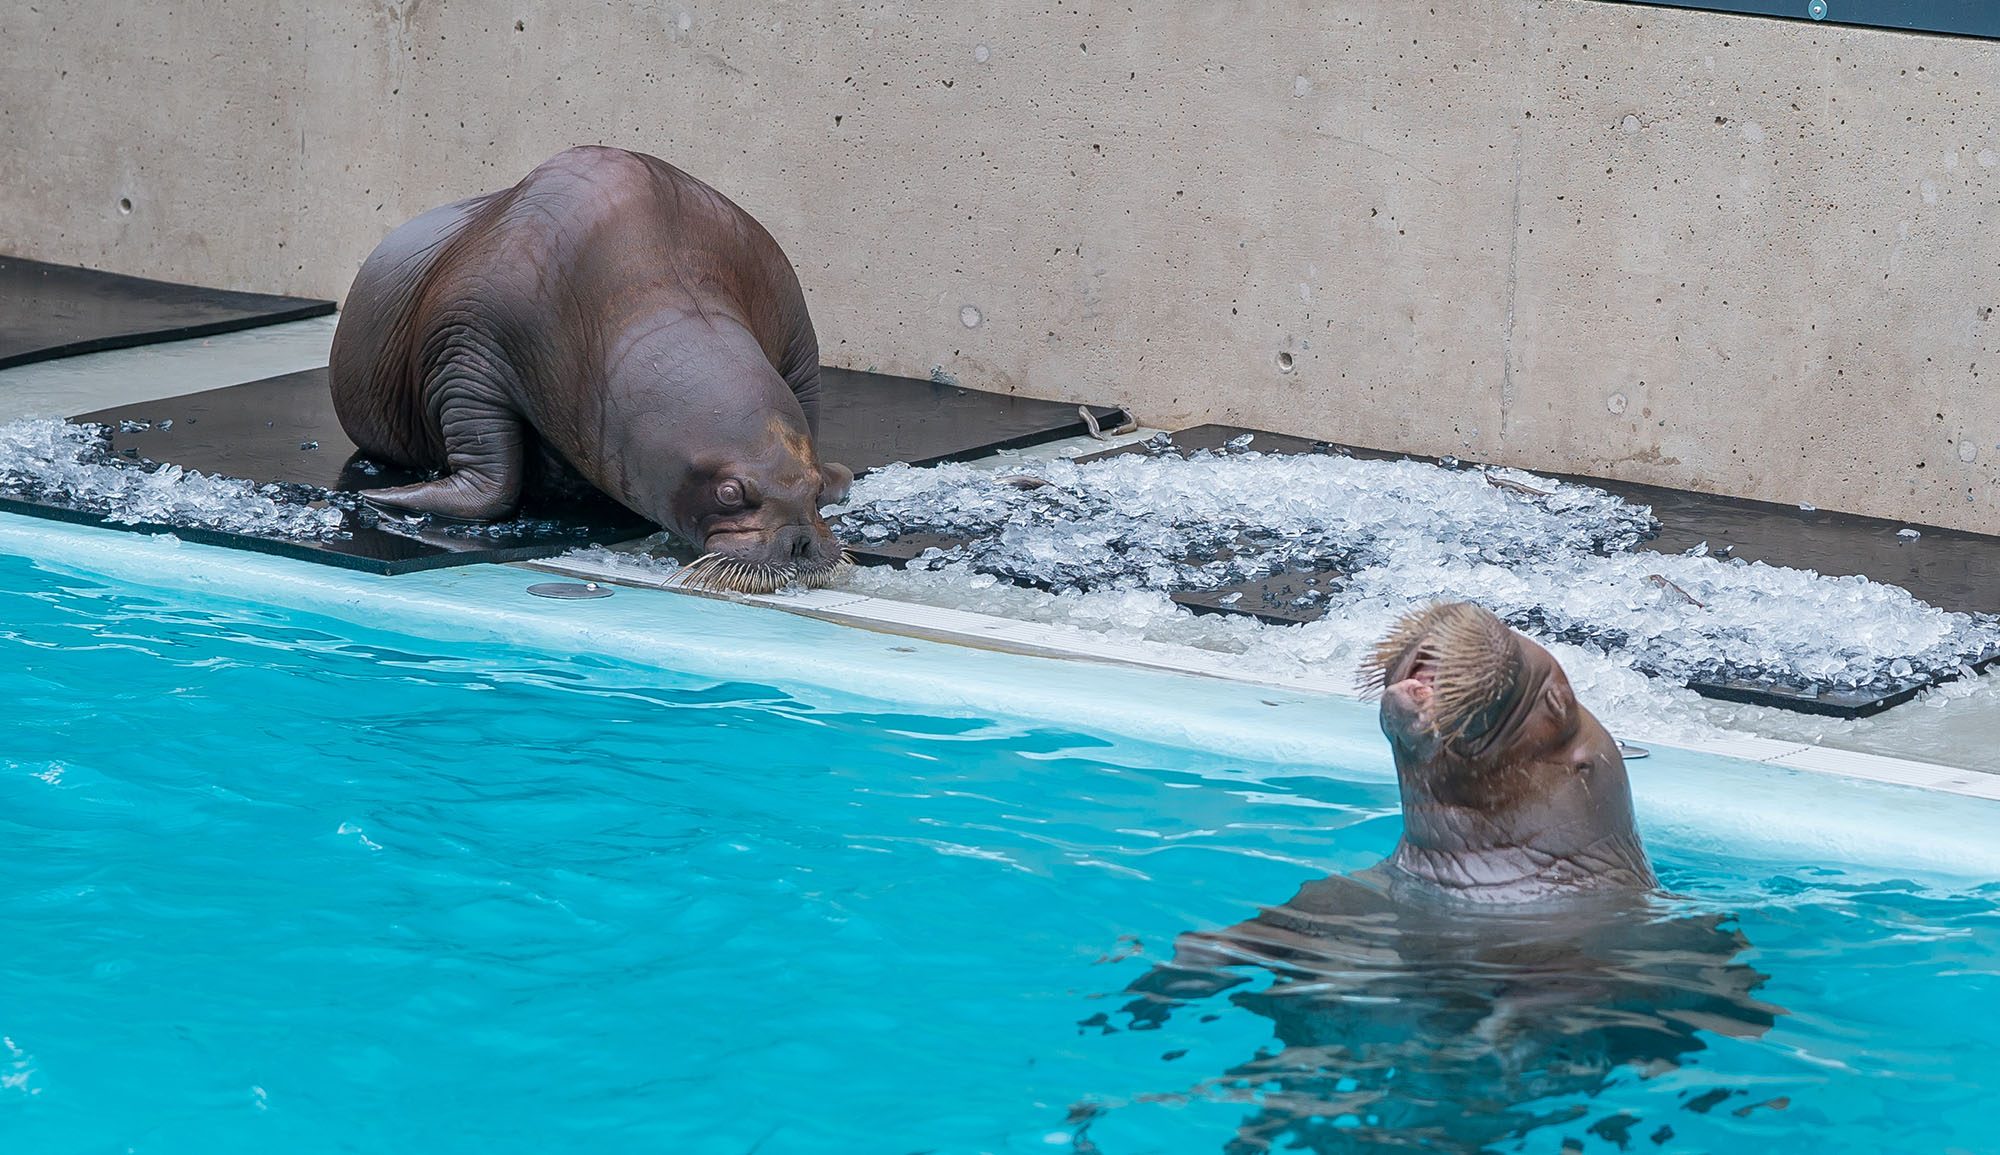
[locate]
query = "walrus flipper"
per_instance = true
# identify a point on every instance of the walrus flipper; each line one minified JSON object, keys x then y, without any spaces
{"x":484,"y":440}
{"x":374,"y":364}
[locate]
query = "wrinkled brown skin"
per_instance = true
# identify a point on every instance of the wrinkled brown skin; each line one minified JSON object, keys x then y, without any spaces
{"x":1510,"y":949}
{"x":612,"y":317}
{"x":1533,"y":805}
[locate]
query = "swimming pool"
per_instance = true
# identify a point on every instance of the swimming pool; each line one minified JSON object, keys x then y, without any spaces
{"x":282,"y":881}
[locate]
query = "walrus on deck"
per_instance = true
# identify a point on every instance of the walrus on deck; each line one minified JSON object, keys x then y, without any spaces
{"x":609,"y":318}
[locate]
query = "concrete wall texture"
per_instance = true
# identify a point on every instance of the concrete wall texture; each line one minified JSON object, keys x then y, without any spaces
{"x":1730,"y":254}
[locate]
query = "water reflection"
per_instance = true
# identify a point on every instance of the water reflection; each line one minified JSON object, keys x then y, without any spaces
{"x":1406,"y":1021}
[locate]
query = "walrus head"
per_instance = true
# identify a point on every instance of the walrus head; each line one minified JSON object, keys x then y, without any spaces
{"x":1511,"y":789}
{"x":755,"y":516}
{"x":701,"y":435}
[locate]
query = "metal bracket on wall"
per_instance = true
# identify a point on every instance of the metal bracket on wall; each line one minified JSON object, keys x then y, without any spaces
{"x":1950,"y":17}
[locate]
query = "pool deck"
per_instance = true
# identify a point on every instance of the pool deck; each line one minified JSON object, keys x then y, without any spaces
{"x":100,"y":380}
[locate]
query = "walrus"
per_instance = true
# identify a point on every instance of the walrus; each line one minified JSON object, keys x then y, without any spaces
{"x":1511,"y":789}
{"x":610,"y":319}
{"x":1512,"y":952}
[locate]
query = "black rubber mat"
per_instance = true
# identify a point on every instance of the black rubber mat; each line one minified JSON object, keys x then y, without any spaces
{"x":868,"y":420}
{"x":49,"y":311}
{"x":1294,"y":599}
{"x":282,"y":430}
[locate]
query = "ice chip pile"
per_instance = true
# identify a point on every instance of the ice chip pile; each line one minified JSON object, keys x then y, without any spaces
{"x":53,"y":462}
{"x":1557,"y":560}
{"x":1161,"y":522}
{"x":49,"y":461}
{"x":1215,"y":519}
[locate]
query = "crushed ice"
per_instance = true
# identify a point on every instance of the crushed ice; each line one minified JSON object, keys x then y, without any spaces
{"x":53,"y":462}
{"x":637,"y":562}
{"x":1557,"y":560}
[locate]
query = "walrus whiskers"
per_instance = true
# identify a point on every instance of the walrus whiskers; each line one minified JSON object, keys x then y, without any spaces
{"x":721,"y":573}
{"x":694,"y":572}
{"x":1478,"y":662}
{"x":1473,"y":659}
{"x":1408,"y":631}
{"x":680,"y":575}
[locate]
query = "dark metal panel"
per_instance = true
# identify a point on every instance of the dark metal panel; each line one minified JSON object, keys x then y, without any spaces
{"x":1952,"y":17}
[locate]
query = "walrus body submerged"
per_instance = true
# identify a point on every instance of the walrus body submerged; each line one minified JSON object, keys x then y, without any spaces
{"x":1511,"y":956}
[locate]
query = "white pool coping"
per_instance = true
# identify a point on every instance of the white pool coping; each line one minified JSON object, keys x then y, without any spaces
{"x":1035,"y":639}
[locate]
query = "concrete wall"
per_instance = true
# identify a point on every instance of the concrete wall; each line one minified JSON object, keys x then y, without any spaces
{"x":1709,"y":251}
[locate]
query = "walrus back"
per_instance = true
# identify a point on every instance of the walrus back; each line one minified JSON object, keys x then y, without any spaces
{"x":373,"y":367}
{"x":716,"y":251}
{"x":549,"y":322}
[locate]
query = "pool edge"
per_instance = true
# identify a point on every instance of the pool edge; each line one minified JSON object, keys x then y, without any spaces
{"x":1036,"y":639}
{"x":467,"y":598}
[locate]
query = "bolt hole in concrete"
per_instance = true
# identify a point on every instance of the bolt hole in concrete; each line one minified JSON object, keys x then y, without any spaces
{"x":1284,"y":362}
{"x":125,"y":205}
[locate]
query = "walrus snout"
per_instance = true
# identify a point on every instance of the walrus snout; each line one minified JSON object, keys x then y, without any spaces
{"x":802,"y":546}
{"x":1442,"y":672}
{"x":762,"y":559}
{"x":1406,"y":700}
{"x":757,"y":522}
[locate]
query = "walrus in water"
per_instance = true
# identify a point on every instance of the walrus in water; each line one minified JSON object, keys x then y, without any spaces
{"x":1506,"y":962}
{"x":609,"y":318}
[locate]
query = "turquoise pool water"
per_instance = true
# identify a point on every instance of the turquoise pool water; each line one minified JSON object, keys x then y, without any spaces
{"x":276,"y":882}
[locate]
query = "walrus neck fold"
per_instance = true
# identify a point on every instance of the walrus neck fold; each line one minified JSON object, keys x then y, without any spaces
{"x":1614,"y":863}
{"x":1534,"y":828}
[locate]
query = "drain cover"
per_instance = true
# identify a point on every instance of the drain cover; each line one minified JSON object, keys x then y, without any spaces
{"x":569,"y":590}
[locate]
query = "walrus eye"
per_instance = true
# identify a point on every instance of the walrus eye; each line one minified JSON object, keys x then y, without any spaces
{"x":729,"y":494}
